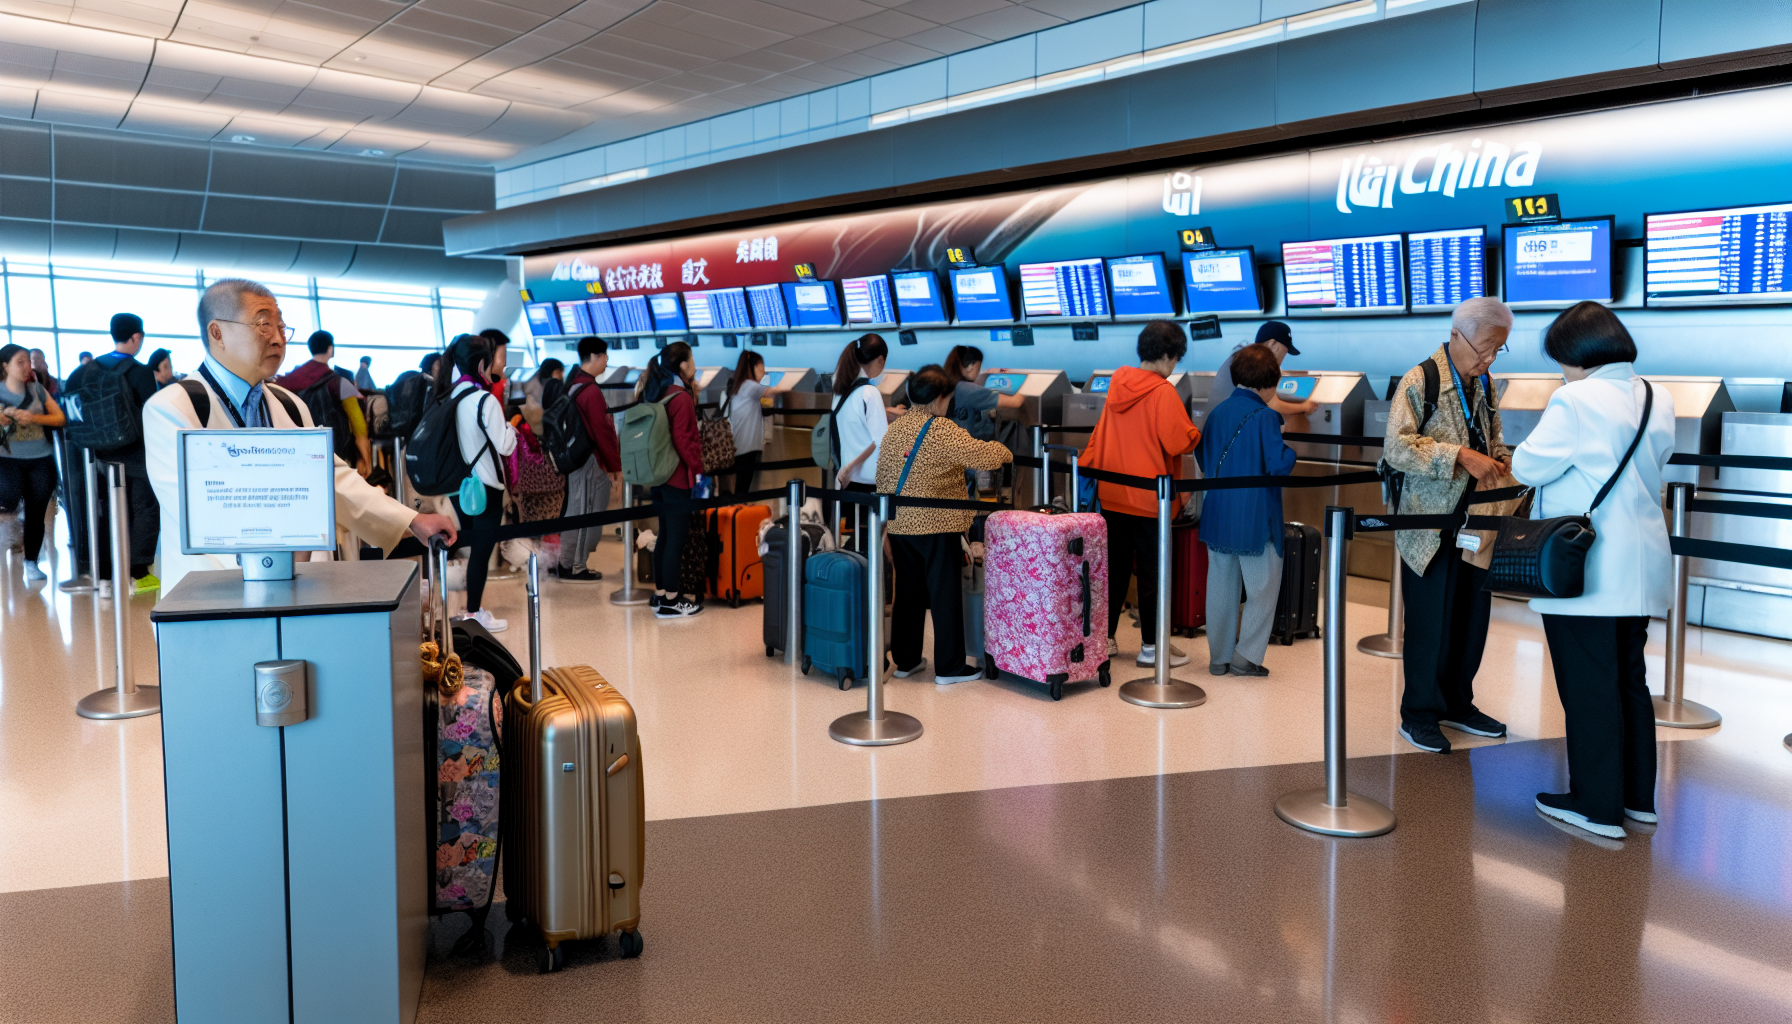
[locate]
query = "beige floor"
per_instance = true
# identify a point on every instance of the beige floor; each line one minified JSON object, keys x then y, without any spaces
{"x":728,"y":730}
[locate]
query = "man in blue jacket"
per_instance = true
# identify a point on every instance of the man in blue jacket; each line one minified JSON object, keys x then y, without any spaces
{"x":1243,"y":528}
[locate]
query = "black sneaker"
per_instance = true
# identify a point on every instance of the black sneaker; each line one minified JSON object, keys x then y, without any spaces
{"x":1247,"y":669}
{"x":1425,"y":736}
{"x":1555,"y":805}
{"x":680,"y":608}
{"x":1476,"y":723}
{"x":653,"y":603}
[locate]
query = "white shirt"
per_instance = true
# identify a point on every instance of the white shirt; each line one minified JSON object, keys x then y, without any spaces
{"x":860,"y":423}
{"x":1576,"y":445}
{"x":475,"y":420}
{"x":745,"y":417}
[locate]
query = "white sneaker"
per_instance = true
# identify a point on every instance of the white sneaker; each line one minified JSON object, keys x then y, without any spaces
{"x":1148,"y":656}
{"x":33,"y":574}
{"x":949,"y":680}
{"x":485,"y":618}
{"x":904,"y":673}
{"x":1646,"y":817}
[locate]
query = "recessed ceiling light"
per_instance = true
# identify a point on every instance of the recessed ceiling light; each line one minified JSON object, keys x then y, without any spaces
{"x":242,"y":138}
{"x":373,"y":152}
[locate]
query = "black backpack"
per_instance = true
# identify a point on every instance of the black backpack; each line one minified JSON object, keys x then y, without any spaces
{"x":406,"y":399}
{"x":103,"y":415}
{"x":432,"y":461}
{"x":564,"y":434}
{"x":326,"y":411}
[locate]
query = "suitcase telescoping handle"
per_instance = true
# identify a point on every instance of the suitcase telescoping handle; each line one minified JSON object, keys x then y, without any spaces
{"x":446,"y":644}
{"x":534,"y":629}
{"x":1075,"y":477}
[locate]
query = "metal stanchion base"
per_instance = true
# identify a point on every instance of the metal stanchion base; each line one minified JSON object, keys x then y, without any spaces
{"x":1382,"y":645}
{"x":1146,"y":693}
{"x":78,"y":585}
{"x":1685,"y":715}
{"x":109,"y":704}
{"x":1360,"y":816}
{"x":860,"y":730}
{"x":632,"y":596}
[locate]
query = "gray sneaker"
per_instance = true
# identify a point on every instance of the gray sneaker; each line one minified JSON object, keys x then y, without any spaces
{"x":1247,"y":669}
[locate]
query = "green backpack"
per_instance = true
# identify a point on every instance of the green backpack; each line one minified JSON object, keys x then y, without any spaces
{"x":648,"y":458}
{"x":824,"y":442}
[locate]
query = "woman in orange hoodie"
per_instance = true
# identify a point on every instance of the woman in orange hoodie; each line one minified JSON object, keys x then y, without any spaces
{"x":1144,"y":429}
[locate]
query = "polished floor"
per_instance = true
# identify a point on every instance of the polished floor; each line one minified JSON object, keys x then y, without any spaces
{"x":1025,"y":859}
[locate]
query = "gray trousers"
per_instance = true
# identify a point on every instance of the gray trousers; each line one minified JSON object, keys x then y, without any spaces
{"x":587,"y":490}
{"x":1260,"y":576}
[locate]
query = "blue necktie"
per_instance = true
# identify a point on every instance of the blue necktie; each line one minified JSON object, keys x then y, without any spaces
{"x":255,"y":412}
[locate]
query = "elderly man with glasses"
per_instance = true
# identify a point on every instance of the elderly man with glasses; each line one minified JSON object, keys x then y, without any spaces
{"x":245,"y":343}
{"x":1444,"y":440}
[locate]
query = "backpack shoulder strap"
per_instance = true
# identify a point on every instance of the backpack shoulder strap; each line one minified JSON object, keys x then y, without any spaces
{"x":1641,"y":429}
{"x":284,"y":397}
{"x":1432,"y":386}
{"x":201,"y":398}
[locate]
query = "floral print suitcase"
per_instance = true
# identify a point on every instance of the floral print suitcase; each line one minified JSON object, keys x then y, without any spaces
{"x":466,"y":819}
{"x":1046,"y":597}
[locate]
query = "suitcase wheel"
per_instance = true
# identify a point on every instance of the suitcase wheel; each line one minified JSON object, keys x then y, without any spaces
{"x":733,"y":602}
{"x":806,"y":664}
{"x":630,"y":942}
{"x":770,"y":651}
{"x":846,"y":681}
{"x":1105,"y":674}
{"x":549,"y":959}
{"x":990,"y":669}
{"x":1057,"y":689}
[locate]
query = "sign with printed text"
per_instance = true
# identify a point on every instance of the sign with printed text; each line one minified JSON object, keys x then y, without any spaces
{"x":1196,"y":239}
{"x":256,"y":490}
{"x":1544,"y":209}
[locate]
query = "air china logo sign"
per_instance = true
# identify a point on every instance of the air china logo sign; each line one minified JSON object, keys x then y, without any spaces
{"x":1182,"y":194}
{"x":1366,"y":182}
{"x":615,"y":279}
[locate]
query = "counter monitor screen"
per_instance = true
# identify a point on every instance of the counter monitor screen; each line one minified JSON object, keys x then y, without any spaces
{"x":1070,"y":288}
{"x":1140,"y":286}
{"x":1296,"y":389}
{"x":1557,"y":265}
{"x":772,"y":378}
{"x":1446,"y":268}
{"x":812,"y":304}
{"x":867,"y":300}
{"x":766,"y":303}
{"x":980,"y":295}
{"x":1221,"y":281}
{"x":632,"y":316}
{"x":919,"y":302}
{"x":543,"y":321}
{"x":668,"y":314}
{"x":603,"y":319}
{"x":720,"y":308}
{"x":1344,"y":275}
{"x":574,"y":317}
{"x":1005,"y":383}
{"x":1099,"y":385}
{"x":1718,"y":257}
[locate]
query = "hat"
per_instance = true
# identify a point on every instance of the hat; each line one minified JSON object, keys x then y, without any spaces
{"x":1276,"y":330}
{"x":124,"y":325}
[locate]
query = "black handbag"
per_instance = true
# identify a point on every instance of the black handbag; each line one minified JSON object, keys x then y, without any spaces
{"x":1548,"y":557}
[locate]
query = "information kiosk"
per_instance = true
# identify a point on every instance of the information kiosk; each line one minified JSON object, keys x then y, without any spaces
{"x":292,"y":745}
{"x":1523,"y":397}
{"x":1699,"y":407}
{"x":712,"y":383}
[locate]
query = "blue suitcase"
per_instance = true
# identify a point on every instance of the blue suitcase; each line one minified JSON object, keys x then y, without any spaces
{"x":834,"y":615}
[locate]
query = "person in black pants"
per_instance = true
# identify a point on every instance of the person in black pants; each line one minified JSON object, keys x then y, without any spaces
{"x":145,"y":523}
{"x":464,"y":375}
{"x":671,"y":378}
{"x":28,"y":465}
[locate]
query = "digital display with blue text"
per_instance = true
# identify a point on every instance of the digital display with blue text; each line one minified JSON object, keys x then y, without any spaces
{"x":544,"y":322}
{"x":1555,"y":265}
{"x":668,"y":313}
{"x":812,"y":303}
{"x":980,"y":295}
{"x":1718,"y":257}
{"x":720,"y":309}
{"x":1344,"y":275}
{"x":603,"y":319}
{"x":1221,"y":281}
{"x":919,"y":301}
{"x":574,"y":317}
{"x":766,"y":303}
{"x":1140,"y":286}
{"x":632,"y":316}
{"x":1067,"y":288}
{"x":867,"y":300}
{"x":1446,"y":268}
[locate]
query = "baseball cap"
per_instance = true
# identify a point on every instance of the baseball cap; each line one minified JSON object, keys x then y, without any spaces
{"x":1276,"y":330}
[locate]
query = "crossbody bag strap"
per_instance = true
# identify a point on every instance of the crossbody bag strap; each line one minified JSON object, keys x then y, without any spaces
{"x":1235,"y":433}
{"x":1641,"y":429}
{"x":909,"y":463}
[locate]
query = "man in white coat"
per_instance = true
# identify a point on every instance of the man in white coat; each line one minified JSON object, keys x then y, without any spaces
{"x":245,"y":341}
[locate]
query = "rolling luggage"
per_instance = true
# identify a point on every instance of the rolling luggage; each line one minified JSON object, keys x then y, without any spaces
{"x":1188,"y":580}
{"x":574,"y":812}
{"x":835,"y":615}
{"x":693,"y":559}
{"x":1297,"y":606}
{"x":974,"y":589}
{"x":1046,"y":593}
{"x":735,"y":572}
{"x":776,"y":589}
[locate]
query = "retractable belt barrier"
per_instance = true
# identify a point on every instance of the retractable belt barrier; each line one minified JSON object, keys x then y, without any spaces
{"x":1779,"y":462}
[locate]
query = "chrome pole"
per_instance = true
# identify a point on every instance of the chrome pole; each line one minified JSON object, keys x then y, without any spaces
{"x":398,"y":475}
{"x":627,"y":594}
{"x":1334,"y":810}
{"x":442,"y":622}
{"x":1038,"y":432}
{"x":1671,"y":709}
{"x":875,"y":727}
{"x":126,"y":699}
{"x":793,"y":576}
{"x":1159,"y":690}
{"x":83,"y":583}
{"x":1391,"y":644}
{"x":534,"y":585}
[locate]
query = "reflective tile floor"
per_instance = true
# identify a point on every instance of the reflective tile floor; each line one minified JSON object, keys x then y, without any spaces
{"x":1025,"y":859}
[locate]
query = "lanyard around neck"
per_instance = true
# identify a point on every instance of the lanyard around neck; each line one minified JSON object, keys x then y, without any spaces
{"x":1476,"y":437}
{"x":230,"y":406}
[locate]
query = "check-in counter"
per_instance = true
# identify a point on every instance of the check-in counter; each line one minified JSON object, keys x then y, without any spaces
{"x":1699,"y":407}
{"x":1201,"y":398}
{"x":1042,"y":395}
{"x":1082,"y":407}
{"x":712,"y":383}
{"x":790,"y":387}
{"x":1523,"y":397}
{"x":1340,"y":396}
{"x":894,"y":387}
{"x":1732,"y":595}
{"x":618,"y":385}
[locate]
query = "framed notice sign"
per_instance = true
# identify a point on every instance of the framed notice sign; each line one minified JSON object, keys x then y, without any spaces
{"x":256,"y":491}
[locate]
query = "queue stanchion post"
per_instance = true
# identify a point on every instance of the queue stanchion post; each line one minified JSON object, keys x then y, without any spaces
{"x":793,"y":576}
{"x":1671,"y":708}
{"x":1159,"y":689}
{"x":398,"y":477}
{"x":1334,"y":810}
{"x":88,"y":582}
{"x":1391,"y":644}
{"x":446,"y":626}
{"x":628,"y":593}
{"x":125,"y":699}
{"x":875,"y":726}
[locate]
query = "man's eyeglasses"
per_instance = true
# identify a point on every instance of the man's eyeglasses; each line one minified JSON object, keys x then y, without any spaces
{"x":285,"y":331}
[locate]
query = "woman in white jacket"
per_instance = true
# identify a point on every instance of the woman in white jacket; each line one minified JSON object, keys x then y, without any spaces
{"x":464,"y":376}
{"x":1596,"y":640}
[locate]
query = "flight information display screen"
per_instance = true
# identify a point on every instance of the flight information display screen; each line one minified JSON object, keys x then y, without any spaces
{"x":867,"y":300}
{"x":766,"y":304}
{"x":603,"y":319}
{"x":1140,"y":287}
{"x":980,"y":295}
{"x":812,"y":303}
{"x":574,"y":317}
{"x":1552,"y":265}
{"x":544,"y":322}
{"x":1445,"y":268}
{"x":668,"y":312}
{"x":919,"y":301}
{"x":1069,"y":288}
{"x":1718,"y":257}
{"x":632,"y":316}
{"x":1344,"y":275}
{"x":1221,"y":281}
{"x":723,"y":308}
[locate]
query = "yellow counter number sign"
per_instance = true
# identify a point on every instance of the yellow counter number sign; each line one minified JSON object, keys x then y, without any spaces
{"x":1534,"y":209}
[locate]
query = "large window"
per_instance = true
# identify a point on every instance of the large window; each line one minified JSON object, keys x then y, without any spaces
{"x":66,"y":307}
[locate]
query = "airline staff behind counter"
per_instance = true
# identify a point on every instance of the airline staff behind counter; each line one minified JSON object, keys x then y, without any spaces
{"x":245,"y":341}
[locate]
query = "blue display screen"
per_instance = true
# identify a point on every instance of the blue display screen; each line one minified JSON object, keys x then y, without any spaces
{"x":632,"y":316}
{"x":1005,"y":383}
{"x":1068,"y":288}
{"x":721,"y":308}
{"x":668,"y":312}
{"x":812,"y":303}
{"x":919,"y":301}
{"x":980,"y":295}
{"x":1719,"y":257}
{"x":1344,"y":274}
{"x":1444,"y":268}
{"x":772,"y":377}
{"x":867,"y":300}
{"x":574,"y":317}
{"x":543,"y":321}
{"x":1140,"y":287}
{"x":1221,"y":281}
{"x":766,"y":304}
{"x":1559,"y":264}
{"x":1297,"y":389}
{"x":603,"y":320}
{"x":1099,"y":385}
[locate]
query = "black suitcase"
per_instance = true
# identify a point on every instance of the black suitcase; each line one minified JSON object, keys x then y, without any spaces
{"x":1297,"y":606}
{"x":777,"y":584}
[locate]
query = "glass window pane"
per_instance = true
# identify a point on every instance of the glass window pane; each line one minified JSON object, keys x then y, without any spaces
{"x":456,"y":322}
{"x":369,"y":325}
{"x":28,"y":298}
{"x":167,"y":311}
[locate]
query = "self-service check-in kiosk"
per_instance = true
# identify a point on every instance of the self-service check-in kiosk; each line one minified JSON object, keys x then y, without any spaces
{"x":1082,"y":408}
{"x":1340,"y":397}
{"x":789,"y":387}
{"x":894,"y":387}
{"x":1699,"y":407}
{"x":618,"y":385}
{"x":1042,"y":395}
{"x":1732,"y":595}
{"x":1523,"y":397}
{"x":712,"y":383}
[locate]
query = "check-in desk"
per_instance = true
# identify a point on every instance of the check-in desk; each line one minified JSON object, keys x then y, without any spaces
{"x":1042,"y":395}
{"x":893,"y":385}
{"x":1523,"y":397}
{"x":1699,"y":407}
{"x":1082,"y":407}
{"x":297,"y":855}
{"x":1201,"y":398}
{"x":787,"y":437}
{"x":1731,"y":595}
{"x":712,"y":383}
{"x":1340,"y":396}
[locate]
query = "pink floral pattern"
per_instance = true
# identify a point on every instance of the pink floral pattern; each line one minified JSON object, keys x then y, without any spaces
{"x":1033,"y":594}
{"x":466,"y":794}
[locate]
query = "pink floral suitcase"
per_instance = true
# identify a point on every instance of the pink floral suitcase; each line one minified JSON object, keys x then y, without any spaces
{"x":1046,"y":597}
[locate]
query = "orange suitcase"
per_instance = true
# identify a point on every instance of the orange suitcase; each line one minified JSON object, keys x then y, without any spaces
{"x":735,"y":570}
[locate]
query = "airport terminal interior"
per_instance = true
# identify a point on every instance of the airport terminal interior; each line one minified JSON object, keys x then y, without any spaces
{"x":271,"y":750}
